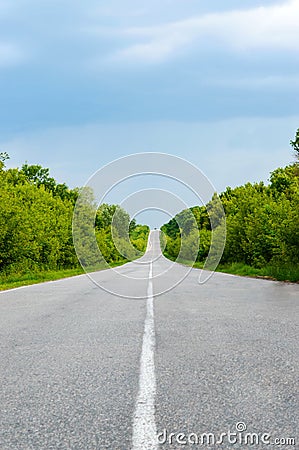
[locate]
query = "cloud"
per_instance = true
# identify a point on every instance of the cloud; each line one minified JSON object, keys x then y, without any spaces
{"x":10,"y":55}
{"x":230,"y":152}
{"x":256,"y":82}
{"x":269,"y":28}
{"x":110,"y":11}
{"x":4,"y":6}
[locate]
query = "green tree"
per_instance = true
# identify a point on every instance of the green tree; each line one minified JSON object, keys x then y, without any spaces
{"x":3,"y":157}
{"x":39,"y":175}
{"x":295,"y":144}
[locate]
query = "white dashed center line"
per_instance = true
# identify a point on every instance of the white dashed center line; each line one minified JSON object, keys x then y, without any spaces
{"x":144,"y":425}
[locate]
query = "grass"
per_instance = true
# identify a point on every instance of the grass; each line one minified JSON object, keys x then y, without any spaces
{"x":282,"y":273}
{"x":17,"y":280}
{"x":25,"y":279}
{"x":285,"y":273}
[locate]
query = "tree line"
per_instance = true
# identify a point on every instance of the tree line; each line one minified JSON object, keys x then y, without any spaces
{"x":36,"y":216}
{"x":262,"y":225}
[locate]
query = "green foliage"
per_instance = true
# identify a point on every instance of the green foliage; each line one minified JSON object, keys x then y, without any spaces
{"x":295,"y":144}
{"x":35,"y":228}
{"x":36,"y":215}
{"x":119,"y":238}
{"x":262,"y":226}
{"x":40,"y":177}
{"x":84,"y":230}
{"x":171,"y":229}
{"x":139,"y":236}
{"x":188,"y":235}
{"x":3,"y":157}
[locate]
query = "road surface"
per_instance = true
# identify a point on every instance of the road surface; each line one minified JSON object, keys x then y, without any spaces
{"x":82,"y":368}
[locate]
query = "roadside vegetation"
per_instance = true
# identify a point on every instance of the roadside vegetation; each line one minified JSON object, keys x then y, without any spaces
{"x":262,"y":223}
{"x":36,"y":242}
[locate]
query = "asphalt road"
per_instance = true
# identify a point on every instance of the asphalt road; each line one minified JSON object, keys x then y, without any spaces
{"x":85,"y":367}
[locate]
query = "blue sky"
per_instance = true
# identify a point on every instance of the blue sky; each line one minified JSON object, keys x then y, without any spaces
{"x":82,"y":83}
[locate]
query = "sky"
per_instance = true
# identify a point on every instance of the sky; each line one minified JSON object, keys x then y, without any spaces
{"x":84,"y":83}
